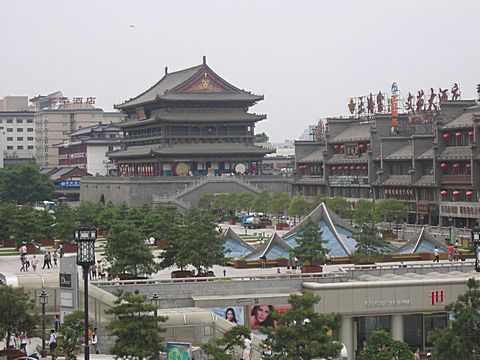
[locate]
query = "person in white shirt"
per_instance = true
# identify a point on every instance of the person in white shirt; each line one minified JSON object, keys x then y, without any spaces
{"x":52,"y":343}
{"x":95,"y":341}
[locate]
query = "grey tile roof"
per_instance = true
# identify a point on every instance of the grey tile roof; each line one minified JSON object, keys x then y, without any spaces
{"x":397,"y":180}
{"x":426,"y":180}
{"x":405,"y":152}
{"x":426,"y":155}
{"x":314,"y":157}
{"x":194,"y":118}
{"x":356,"y":132}
{"x":165,"y":89}
{"x":342,"y":159}
{"x":195,"y":149}
{"x":456,"y":153}
{"x":464,"y":120}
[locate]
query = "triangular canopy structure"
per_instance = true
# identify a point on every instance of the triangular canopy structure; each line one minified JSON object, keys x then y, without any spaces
{"x":425,"y":243}
{"x":235,"y":247}
{"x":336,"y":231}
{"x":275,"y":248}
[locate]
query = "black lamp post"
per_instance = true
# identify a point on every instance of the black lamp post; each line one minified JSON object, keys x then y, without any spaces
{"x":476,"y":242}
{"x":43,"y":297}
{"x":85,"y":239}
{"x":155,"y":300}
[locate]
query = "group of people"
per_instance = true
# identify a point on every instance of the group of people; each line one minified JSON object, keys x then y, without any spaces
{"x":97,"y":271}
{"x":19,"y":342}
{"x":48,"y":256}
{"x":453,"y":252}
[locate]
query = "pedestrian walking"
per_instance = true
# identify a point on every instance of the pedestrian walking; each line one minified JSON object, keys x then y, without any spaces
{"x":456,"y":254}
{"x":55,"y":258}
{"x":34,"y":263}
{"x":23,"y":342}
{"x":49,"y":258}
{"x":52,"y":343}
{"x":436,"y":252}
{"x":93,"y":272}
{"x":450,"y":252}
{"x":45,"y":260}
{"x":22,"y":261}
{"x":60,"y":250}
{"x":95,"y":341}
{"x":11,"y":341}
{"x":56,"y":323}
{"x":26,"y":260}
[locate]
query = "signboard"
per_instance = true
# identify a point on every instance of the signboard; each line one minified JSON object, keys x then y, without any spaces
{"x":66,"y":281}
{"x":348,"y":181}
{"x":70,"y":183}
{"x":460,"y":210}
{"x":179,"y":351}
{"x":66,"y":298}
{"x":387,"y":303}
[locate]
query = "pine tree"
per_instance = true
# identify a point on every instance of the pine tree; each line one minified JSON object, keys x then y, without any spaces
{"x":223,"y":348}
{"x":302,"y":333}
{"x":381,"y":346}
{"x":369,"y":243}
{"x":461,"y":340}
{"x":137,"y":331}
{"x":310,"y":244}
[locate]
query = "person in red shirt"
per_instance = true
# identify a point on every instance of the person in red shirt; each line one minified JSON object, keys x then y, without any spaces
{"x":450,"y":252}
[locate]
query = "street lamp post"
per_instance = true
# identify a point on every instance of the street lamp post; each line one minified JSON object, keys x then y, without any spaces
{"x":155,"y":300}
{"x":476,"y":242}
{"x":43,"y":297}
{"x":85,"y":239}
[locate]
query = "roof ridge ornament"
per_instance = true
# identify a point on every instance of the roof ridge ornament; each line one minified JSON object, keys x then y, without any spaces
{"x":204,"y":60}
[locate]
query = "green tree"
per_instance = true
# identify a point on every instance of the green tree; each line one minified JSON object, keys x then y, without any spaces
{"x":381,"y":346}
{"x":87,"y":214}
{"x":340,"y":206}
{"x":16,"y":310}
{"x":364,"y":212}
{"x":223,"y":348}
{"x":279,"y":202}
{"x":205,"y":202}
{"x":7,"y":211}
{"x":298,"y":207}
{"x":195,"y":242}
{"x":138,"y":333}
{"x":71,"y":338}
{"x":262,"y":202}
{"x":302,"y":333}
{"x":24,"y":184}
{"x":65,"y":225}
{"x":310,"y":244}
{"x":369,"y":243}
{"x":159,"y":223}
{"x":25,"y":225}
{"x":391,"y":209}
{"x":461,"y":339}
{"x":261,"y":138}
{"x":127,"y":251}
{"x":245,"y":201}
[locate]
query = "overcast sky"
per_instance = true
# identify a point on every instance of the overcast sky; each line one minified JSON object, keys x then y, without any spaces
{"x":307,"y":57}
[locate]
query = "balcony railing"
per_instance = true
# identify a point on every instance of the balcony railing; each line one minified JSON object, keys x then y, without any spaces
{"x":456,"y":179}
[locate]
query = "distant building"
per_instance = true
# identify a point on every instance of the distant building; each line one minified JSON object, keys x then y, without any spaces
{"x":191,"y":122}
{"x":67,"y":182}
{"x":17,"y":120}
{"x":57,"y":116}
{"x":87,"y":148}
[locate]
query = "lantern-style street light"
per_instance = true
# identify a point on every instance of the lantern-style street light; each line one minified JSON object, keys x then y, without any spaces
{"x":155,"y":300}
{"x":43,"y":298}
{"x":85,"y":239}
{"x":476,"y":243}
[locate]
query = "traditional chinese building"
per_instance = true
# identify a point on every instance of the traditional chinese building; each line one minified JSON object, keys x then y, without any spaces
{"x":191,"y":122}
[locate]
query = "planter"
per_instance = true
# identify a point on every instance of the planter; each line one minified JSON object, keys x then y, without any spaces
{"x":181,"y":274}
{"x":281,"y":226}
{"x":241,"y":264}
{"x":232,"y":221}
{"x":282,"y":262}
{"x":309,"y":269}
{"x":47,"y":242}
{"x":425,"y":256}
{"x":33,"y":249}
{"x":161,"y":244}
{"x":70,"y":248}
{"x":9,"y":243}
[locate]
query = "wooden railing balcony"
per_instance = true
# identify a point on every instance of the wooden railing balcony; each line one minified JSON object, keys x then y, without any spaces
{"x":456,"y":179}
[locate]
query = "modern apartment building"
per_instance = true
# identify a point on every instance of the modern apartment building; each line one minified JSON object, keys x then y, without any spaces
{"x":17,"y":120}
{"x":57,"y":116}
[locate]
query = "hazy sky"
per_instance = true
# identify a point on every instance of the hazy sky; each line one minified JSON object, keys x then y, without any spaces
{"x":307,"y":57}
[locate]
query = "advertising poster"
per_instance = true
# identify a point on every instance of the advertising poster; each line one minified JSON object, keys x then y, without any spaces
{"x":179,"y":351}
{"x":234,"y":314}
{"x":262,"y":315}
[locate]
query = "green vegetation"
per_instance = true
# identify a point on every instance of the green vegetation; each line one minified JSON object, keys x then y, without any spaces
{"x":261,"y":138}
{"x":461,"y":339}
{"x":138,"y":332}
{"x":16,"y":313}
{"x":71,"y":338}
{"x":223,"y":348}
{"x":381,"y":346}
{"x":391,"y":210}
{"x":369,"y":242}
{"x":310,"y":248}
{"x":302,"y":333}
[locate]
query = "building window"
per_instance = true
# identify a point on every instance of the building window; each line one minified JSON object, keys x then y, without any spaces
{"x":1,"y":121}
{"x":29,"y":129}
{"x":30,"y":138}
{"x":9,"y":147}
{"x":9,"y":130}
{"x":30,"y":147}
{"x":9,"y":138}
{"x":19,"y":121}
{"x":19,"y":129}
{"x":20,"y":147}
{"x":9,"y":121}
{"x":29,"y":121}
{"x":20,"y":138}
